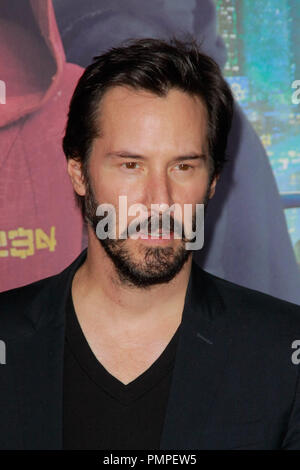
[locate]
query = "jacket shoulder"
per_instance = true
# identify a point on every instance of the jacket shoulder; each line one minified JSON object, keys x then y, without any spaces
{"x":24,"y":293}
{"x":20,"y":308}
{"x":25,"y":308}
{"x":254,"y":306}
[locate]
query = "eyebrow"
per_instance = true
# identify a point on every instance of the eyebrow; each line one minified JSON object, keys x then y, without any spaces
{"x":192,"y":156}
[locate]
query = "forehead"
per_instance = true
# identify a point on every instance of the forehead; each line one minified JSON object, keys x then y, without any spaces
{"x":141,"y":114}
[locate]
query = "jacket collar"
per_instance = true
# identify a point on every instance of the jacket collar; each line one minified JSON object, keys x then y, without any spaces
{"x":201,"y":356}
{"x":202,"y":352}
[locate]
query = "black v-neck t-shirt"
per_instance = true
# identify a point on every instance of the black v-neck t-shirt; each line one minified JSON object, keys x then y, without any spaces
{"x":102,"y":413}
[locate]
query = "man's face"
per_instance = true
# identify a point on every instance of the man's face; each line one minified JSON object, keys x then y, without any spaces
{"x":142,"y":154}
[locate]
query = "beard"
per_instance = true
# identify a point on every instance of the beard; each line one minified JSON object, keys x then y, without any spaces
{"x":146,"y":266}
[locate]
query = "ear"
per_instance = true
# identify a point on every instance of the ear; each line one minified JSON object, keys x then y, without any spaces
{"x":76,"y":175}
{"x":213,"y":186}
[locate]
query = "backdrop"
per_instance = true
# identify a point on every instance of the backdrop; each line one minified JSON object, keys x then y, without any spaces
{"x":252,"y":229}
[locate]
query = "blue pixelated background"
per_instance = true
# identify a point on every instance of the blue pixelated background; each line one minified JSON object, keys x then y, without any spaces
{"x":263,"y":46}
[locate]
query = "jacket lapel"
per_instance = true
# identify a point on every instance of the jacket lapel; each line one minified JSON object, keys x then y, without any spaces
{"x":201,"y":357}
{"x":37,"y":357}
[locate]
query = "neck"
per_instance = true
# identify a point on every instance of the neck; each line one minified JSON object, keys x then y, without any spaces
{"x":97,"y":286}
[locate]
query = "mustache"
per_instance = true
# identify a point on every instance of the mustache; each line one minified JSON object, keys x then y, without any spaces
{"x":145,"y":226}
{"x":174,"y":226}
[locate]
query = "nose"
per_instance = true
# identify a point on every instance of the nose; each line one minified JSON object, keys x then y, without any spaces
{"x":158,"y":190}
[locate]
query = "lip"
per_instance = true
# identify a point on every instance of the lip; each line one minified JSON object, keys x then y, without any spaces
{"x":158,"y":238}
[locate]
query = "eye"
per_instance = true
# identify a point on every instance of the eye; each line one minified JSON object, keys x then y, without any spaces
{"x":184,"y":166}
{"x":129,"y":165}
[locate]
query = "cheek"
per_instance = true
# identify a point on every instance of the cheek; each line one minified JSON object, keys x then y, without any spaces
{"x":107,"y":191}
{"x":199,"y":190}
{"x":192,"y":193}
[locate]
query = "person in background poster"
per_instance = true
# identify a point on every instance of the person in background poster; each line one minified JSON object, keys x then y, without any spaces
{"x":246,"y":237}
{"x":40,"y":226}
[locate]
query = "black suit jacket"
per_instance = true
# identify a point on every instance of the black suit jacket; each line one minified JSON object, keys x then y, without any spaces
{"x":234,"y":384}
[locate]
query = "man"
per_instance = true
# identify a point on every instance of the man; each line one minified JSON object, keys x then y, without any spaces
{"x":133,"y":346}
